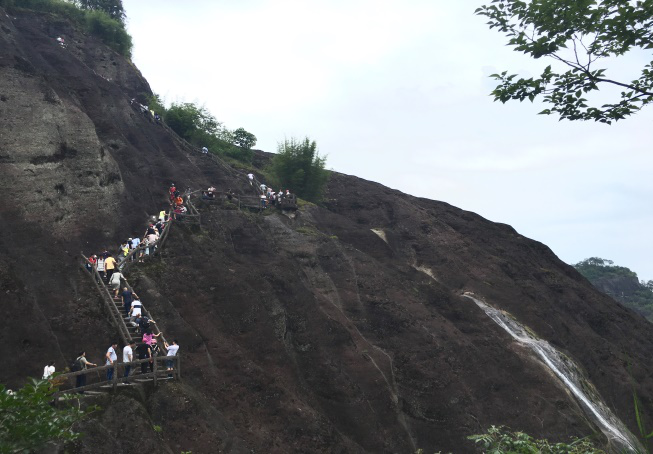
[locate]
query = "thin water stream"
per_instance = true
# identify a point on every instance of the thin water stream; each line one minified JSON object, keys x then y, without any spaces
{"x":621,"y":439}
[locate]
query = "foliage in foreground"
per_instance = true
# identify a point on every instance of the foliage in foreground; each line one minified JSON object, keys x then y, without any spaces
{"x":299,"y":167}
{"x":575,"y":34}
{"x":28,"y":420}
{"x":500,"y":440}
{"x":620,"y":283}
{"x":99,"y":23}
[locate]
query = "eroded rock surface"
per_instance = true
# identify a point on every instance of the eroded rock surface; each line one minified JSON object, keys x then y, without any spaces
{"x":341,"y":330}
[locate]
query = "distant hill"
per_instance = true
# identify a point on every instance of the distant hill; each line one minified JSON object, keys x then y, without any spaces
{"x":620,"y":283}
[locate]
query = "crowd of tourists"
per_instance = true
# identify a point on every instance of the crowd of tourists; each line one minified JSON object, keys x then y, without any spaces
{"x":136,"y":249}
{"x":268,"y":196}
{"x":146,"y":111}
{"x":130,"y":352}
{"x":179,"y":210}
{"x":109,"y":268}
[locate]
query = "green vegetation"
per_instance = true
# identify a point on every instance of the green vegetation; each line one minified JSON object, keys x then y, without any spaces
{"x":619,"y":282}
{"x":298,"y":166}
{"x":575,"y":34}
{"x":28,"y":420}
{"x":199,"y":127}
{"x":244,"y":139}
{"x":308,"y":230}
{"x":113,"y":8}
{"x":500,"y":440}
{"x":95,"y":21}
{"x":595,"y":268}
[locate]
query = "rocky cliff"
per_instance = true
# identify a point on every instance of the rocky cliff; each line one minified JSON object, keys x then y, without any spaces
{"x":340,"y":330}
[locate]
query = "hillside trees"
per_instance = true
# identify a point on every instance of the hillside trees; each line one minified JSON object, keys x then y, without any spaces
{"x":619,"y":282}
{"x":575,"y":34}
{"x":299,"y":166}
{"x":113,"y":8}
{"x":244,"y":139}
{"x":198,"y":126}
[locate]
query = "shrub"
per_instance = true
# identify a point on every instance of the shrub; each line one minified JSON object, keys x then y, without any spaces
{"x":110,"y":31}
{"x":299,"y":167}
{"x":499,"y":440}
{"x":199,"y":127}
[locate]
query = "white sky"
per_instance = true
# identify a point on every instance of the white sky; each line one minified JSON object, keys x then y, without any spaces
{"x":398,"y":92}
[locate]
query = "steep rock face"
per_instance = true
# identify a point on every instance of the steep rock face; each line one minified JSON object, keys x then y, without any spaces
{"x":341,"y":330}
{"x":618,"y":286}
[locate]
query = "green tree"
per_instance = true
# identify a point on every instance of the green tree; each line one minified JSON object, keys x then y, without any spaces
{"x":576,"y":34}
{"x":619,"y":282}
{"x":155,"y":103}
{"x":199,"y":127}
{"x":186,"y":118}
{"x":299,"y":167}
{"x":28,"y":420}
{"x":244,"y":139}
{"x":113,"y":8}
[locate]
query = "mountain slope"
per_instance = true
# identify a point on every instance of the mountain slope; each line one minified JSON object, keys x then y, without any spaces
{"x":342,"y":330}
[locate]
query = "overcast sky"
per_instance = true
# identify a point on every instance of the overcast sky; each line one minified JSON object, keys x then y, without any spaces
{"x":398,"y":92}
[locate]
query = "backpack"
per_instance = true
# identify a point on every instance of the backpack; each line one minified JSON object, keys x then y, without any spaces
{"x":76,"y":366}
{"x":144,"y":324}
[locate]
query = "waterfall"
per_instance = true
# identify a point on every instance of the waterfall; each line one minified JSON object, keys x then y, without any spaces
{"x":571,"y":376}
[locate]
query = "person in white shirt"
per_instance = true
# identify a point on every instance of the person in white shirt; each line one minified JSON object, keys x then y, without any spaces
{"x":128,"y":357}
{"x":100,"y":266}
{"x":172,"y":351}
{"x":136,"y":241}
{"x":251,"y":178}
{"x":48,"y":370}
{"x":111,"y":357}
{"x":135,"y":310}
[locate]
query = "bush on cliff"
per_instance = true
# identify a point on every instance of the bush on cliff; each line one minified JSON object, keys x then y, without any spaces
{"x":299,"y":167}
{"x":112,"y":32}
{"x":500,"y":440}
{"x":199,"y":127}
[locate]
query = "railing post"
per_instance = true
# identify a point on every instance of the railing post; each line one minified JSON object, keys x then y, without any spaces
{"x":178,"y":366}
{"x":154,"y":358}
{"x":115,"y":375}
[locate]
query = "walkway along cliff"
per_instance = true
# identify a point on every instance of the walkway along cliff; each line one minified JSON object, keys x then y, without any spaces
{"x":342,"y":329}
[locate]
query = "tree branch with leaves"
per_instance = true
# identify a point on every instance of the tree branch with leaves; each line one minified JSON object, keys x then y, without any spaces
{"x":576,"y":34}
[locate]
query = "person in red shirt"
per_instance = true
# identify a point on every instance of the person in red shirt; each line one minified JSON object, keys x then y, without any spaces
{"x":92,"y":262}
